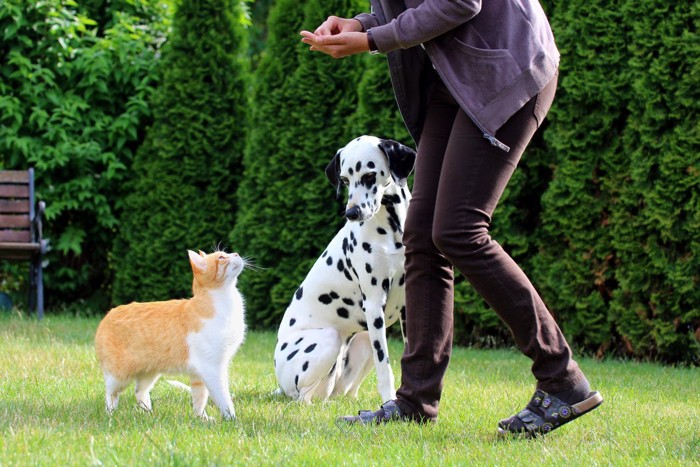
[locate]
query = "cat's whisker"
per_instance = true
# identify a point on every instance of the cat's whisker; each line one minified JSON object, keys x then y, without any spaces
{"x":249,"y":263}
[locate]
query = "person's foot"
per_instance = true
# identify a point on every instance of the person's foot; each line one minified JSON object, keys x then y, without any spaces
{"x":389,"y":411}
{"x":547,"y":412}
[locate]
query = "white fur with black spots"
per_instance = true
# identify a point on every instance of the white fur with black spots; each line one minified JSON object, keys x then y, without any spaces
{"x":334,"y":331}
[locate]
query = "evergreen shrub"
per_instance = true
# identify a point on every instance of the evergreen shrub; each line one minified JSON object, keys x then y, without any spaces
{"x":181,"y":191}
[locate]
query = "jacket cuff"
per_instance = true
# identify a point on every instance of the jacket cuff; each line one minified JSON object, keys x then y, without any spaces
{"x":367,"y":21}
{"x":385,"y":38}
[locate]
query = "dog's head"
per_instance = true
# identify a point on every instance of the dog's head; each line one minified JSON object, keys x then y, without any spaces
{"x":368,"y":166}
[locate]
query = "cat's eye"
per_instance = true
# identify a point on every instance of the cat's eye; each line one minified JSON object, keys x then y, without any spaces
{"x":345,"y":181}
{"x":221,"y":257}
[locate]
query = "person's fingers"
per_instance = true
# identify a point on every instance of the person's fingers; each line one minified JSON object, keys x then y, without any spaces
{"x":329,"y":27}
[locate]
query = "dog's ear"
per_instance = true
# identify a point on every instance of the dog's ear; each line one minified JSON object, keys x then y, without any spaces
{"x":401,"y":159}
{"x":333,"y":173}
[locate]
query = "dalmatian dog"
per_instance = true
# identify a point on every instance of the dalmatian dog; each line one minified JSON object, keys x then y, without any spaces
{"x":334,"y":331}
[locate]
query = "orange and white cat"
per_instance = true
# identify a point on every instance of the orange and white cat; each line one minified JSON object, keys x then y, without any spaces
{"x":197,"y":337}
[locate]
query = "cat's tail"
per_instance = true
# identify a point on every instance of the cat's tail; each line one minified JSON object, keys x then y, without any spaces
{"x":178,"y":384}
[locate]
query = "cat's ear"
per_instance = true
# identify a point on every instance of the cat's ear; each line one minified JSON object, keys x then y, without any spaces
{"x":198,"y":262}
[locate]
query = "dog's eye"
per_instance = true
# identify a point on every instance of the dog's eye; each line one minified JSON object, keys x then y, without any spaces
{"x":345,"y":181}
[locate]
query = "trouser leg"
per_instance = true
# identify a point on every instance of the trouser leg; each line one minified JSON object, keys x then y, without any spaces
{"x":459,"y":179}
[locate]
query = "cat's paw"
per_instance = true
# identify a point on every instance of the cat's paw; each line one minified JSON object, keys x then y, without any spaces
{"x":206,"y":418}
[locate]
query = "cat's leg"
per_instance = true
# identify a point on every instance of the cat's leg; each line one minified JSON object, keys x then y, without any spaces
{"x":200,"y":395}
{"x":113,"y":386}
{"x":357,"y":364}
{"x":144,"y":384}
{"x":216,"y":379}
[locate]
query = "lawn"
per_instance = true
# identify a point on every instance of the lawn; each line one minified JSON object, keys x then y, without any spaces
{"x":52,"y":413}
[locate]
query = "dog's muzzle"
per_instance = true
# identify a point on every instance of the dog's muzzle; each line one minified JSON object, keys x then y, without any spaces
{"x":353,"y":213}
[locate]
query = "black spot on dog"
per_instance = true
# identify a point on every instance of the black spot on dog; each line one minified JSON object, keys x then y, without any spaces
{"x":352,"y":238}
{"x":381,"y":172}
{"x":381,"y":231}
{"x":367,"y":247}
{"x":291,"y":322}
{"x":374,"y":190}
{"x":300,"y":293}
{"x":374,"y":281}
{"x":385,"y":285}
{"x":403,"y":313}
{"x":348,"y":276}
{"x":325,"y":299}
{"x":398,"y":245}
{"x":358,"y":166}
{"x":329,"y":261}
{"x":349,"y":302}
{"x":324,"y":254}
{"x":305,"y":366}
{"x":345,"y":245}
{"x":380,"y":352}
{"x":340,"y":265}
{"x":334,"y":295}
{"x":291,"y":355}
{"x":343,"y":312}
{"x":363,"y":324}
{"x":368,"y":268}
{"x":378,"y":323}
{"x":300,"y":339}
{"x":310,"y":348}
{"x":284,"y":346}
{"x":402,"y":279}
{"x":350,"y":171}
{"x":296,"y":381}
{"x":370,"y":164}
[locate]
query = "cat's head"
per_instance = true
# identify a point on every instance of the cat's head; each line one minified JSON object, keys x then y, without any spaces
{"x":215,"y":270}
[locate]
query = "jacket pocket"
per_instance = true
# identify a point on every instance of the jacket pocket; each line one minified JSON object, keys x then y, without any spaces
{"x":483,"y":73}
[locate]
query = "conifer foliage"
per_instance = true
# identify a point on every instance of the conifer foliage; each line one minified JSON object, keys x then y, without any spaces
{"x":287,"y":211}
{"x":181,"y":195}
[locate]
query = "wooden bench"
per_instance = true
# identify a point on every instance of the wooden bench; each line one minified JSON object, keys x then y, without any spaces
{"x":20,"y":229}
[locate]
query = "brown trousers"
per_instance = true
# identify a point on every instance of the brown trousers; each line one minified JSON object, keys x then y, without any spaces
{"x":459,"y":178}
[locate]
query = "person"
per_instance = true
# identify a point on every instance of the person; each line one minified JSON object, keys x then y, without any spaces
{"x":473,"y":80}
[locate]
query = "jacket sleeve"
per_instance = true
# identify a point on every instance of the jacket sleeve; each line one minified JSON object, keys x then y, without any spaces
{"x":427,"y":21}
{"x":367,"y":20}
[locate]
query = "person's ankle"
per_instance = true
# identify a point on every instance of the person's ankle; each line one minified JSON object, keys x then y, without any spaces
{"x":575,"y":394}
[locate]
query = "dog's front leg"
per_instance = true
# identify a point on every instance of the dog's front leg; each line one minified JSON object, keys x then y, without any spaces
{"x":374,"y":311}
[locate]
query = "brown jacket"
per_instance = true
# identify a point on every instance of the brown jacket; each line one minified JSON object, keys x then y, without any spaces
{"x":493,"y":55}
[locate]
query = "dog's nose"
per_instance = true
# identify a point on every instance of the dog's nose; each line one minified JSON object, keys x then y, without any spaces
{"x":353,"y":213}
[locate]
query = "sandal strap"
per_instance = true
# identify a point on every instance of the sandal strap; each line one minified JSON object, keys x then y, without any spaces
{"x":545,"y":412}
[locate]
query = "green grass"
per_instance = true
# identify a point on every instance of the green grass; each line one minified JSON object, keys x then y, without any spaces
{"x":52,"y":413}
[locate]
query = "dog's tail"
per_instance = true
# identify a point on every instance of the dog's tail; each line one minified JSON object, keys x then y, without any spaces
{"x":178,"y":384}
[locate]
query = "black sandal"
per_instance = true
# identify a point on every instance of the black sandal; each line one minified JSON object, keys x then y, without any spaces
{"x":545,"y":413}
{"x":388,"y":411}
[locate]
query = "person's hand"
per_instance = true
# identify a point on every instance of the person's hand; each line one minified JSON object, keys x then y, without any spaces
{"x":337,"y":45}
{"x":334,"y":25}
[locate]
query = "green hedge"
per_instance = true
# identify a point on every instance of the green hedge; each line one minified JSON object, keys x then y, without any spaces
{"x":603,"y":212}
{"x":75,"y":81}
{"x":618,"y":249}
{"x":182,"y":191}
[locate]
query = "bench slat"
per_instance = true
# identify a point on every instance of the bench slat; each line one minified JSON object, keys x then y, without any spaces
{"x":21,"y":221}
{"x":14,"y":176}
{"x":17,"y":206}
{"x":23,"y":251}
{"x":15,"y":236}
{"x":14,"y":191}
